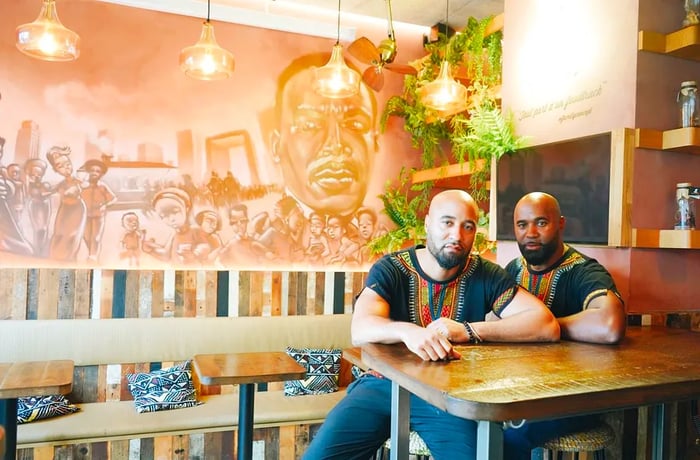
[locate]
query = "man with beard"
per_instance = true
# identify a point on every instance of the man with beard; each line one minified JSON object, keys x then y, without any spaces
{"x":577,"y":289}
{"x":427,"y":298}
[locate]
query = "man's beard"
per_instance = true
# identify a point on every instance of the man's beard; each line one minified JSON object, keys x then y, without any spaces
{"x":541,"y":255}
{"x":445,"y":260}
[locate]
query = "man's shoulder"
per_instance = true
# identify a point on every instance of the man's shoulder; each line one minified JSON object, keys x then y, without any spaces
{"x":581,"y":262}
{"x":486,"y":269}
{"x":515,"y":265}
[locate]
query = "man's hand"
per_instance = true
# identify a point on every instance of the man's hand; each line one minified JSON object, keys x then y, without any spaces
{"x":453,"y":330}
{"x":431,"y":344}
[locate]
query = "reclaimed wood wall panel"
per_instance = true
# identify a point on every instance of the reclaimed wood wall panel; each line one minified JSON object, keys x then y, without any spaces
{"x":102,"y":294}
{"x":48,"y":294}
{"x":106,"y":278}
{"x":13,"y":292}
{"x":83,"y":283}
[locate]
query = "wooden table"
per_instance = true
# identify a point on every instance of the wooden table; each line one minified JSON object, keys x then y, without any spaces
{"x":246,"y":369}
{"x":494,"y":383}
{"x":35,"y":378}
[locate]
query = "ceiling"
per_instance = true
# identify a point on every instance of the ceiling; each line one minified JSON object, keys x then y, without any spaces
{"x":420,"y":12}
{"x":302,"y":16}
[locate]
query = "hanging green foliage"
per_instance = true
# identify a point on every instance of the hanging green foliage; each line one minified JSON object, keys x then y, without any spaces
{"x":481,"y":132}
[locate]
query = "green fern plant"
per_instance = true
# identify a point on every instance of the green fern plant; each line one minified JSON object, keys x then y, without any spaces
{"x":405,"y":205}
{"x":481,"y":133}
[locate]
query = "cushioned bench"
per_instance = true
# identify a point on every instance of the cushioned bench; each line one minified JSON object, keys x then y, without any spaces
{"x":116,"y":341}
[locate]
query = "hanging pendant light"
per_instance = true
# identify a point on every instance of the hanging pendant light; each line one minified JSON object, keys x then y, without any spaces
{"x":206,"y":60}
{"x":335,"y":79}
{"x":46,"y":38}
{"x":444,"y":95}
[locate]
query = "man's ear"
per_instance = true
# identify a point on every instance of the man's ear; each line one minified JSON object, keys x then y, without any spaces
{"x":275,"y":145}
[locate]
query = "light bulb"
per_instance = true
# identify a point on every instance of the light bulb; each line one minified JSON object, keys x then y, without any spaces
{"x":206,"y":60}
{"x":46,"y":38}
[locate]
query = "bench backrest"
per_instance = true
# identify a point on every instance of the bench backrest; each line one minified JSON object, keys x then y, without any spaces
{"x":113,"y":341}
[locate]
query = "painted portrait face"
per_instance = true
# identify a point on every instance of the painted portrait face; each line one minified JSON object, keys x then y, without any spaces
{"x":172,"y":212}
{"x":13,"y":171}
{"x":296,"y":220}
{"x":325,"y":147}
{"x":94,"y":173}
{"x":209,"y":223}
{"x":335,"y":228}
{"x":316,"y":225}
{"x":365,"y":224}
{"x":130,"y":222}
{"x":63,"y":166}
{"x":238,"y":221}
{"x":35,"y":173}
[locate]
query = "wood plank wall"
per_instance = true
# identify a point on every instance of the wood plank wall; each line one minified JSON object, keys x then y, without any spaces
{"x":29,"y":294}
{"x":100,"y":294}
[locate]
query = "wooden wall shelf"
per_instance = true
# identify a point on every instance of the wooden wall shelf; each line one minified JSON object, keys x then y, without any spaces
{"x":683,"y":43}
{"x":686,"y":140}
{"x":445,"y":172}
{"x":669,"y":239}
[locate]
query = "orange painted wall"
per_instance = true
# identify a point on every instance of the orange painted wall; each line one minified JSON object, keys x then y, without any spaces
{"x":638,"y":91}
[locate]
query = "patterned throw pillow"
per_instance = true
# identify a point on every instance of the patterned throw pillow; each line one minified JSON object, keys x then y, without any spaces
{"x":37,"y":407}
{"x":322,"y":369}
{"x":163,"y":389}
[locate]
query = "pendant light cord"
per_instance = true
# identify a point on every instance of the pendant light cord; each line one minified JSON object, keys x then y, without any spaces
{"x":208,"y":9}
{"x":447,"y":29}
{"x":337,"y":40}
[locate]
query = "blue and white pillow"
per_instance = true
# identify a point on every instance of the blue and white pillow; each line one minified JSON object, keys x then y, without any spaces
{"x":34,"y":408}
{"x":322,"y":369}
{"x":163,"y":389}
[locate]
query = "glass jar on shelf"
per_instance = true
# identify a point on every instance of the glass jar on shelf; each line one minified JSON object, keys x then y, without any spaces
{"x":687,"y":99}
{"x":692,"y":13}
{"x":685,"y":213}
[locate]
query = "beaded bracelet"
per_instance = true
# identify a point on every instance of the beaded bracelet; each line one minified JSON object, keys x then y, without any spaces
{"x":473,"y":336}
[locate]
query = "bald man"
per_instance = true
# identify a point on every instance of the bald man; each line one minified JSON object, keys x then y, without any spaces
{"x":429,"y":297}
{"x":578,"y":291}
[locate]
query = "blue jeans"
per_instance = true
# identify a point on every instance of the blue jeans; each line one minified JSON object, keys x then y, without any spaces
{"x":519,"y":442}
{"x":360,"y":423}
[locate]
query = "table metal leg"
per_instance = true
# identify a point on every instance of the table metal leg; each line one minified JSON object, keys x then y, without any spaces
{"x":658,"y":415}
{"x":246,"y":401}
{"x":400,"y":422}
{"x":8,"y":419}
{"x":489,"y":440}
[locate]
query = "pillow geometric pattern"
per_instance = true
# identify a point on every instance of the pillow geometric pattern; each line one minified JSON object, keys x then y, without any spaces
{"x":322,"y":369}
{"x":163,"y":389}
{"x":37,"y":407}
{"x":356,"y":372}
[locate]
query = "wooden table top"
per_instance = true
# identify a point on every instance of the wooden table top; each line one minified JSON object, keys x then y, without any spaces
{"x":230,"y":368}
{"x":498,"y":382}
{"x":35,"y":378}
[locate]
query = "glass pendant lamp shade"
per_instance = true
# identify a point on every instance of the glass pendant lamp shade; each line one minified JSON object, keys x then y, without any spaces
{"x":335,"y":79}
{"x":444,"y":94}
{"x":206,"y":60}
{"x":46,"y":38}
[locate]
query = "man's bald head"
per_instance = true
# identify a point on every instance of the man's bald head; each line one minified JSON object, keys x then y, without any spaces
{"x":544,"y":201}
{"x":452,"y":196}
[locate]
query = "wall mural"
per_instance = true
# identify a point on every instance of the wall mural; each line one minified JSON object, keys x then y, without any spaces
{"x":119,"y":160}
